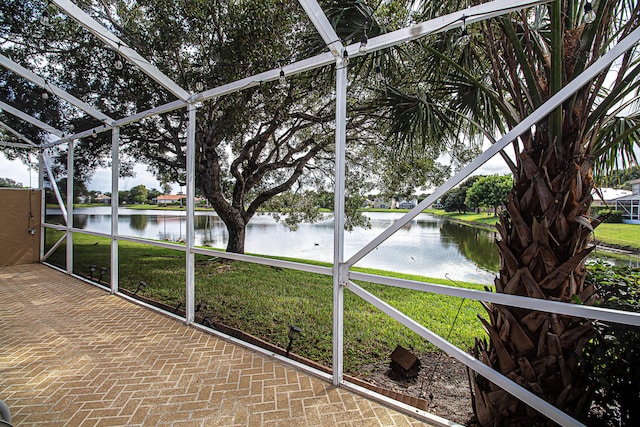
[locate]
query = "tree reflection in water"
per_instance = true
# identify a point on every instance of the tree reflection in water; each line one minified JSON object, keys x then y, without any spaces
{"x":477,"y":244}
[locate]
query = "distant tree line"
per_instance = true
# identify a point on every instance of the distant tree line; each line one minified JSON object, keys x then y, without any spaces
{"x":137,"y":195}
{"x":10,"y":183}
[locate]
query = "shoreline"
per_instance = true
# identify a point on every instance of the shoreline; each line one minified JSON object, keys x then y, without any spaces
{"x":600,"y":245}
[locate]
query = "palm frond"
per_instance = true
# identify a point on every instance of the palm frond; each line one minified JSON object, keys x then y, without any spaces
{"x":618,"y":144}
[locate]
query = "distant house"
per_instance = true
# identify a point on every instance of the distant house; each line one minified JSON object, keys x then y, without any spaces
{"x":630,"y":204}
{"x":405,"y":204}
{"x":169,"y":199}
{"x":603,"y":197}
{"x":101,"y":198}
{"x":380,"y":203}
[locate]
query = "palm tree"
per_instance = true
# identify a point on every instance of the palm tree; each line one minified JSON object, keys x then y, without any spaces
{"x":511,"y":67}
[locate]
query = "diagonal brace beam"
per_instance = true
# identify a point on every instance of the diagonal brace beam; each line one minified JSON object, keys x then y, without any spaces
{"x":34,"y":78}
{"x":572,"y":87}
{"x":18,"y":135}
{"x":121,"y":47}
{"x":322,"y":24}
{"x":24,"y":116}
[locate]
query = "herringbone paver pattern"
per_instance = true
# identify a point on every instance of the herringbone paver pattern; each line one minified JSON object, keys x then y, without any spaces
{"x":73,"y":355}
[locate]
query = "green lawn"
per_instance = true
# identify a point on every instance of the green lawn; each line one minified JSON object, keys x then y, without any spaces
{"x":264,"y":301}
{"x":477,"y":218}
{"x":625,"y":235}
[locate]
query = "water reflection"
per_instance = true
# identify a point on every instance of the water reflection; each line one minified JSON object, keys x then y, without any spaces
{"x":139,"y":222}
{"x":80,"y":221}
{"x":428,"y":246}
{"x":474,"y":243}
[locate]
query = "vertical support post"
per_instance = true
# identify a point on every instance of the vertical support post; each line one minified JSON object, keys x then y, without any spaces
{"x":70,"y":166}
{"x":190,"y":237}
{"x":339,"y":273}
{"x":115,"y":173}
{"x":43,"y":205}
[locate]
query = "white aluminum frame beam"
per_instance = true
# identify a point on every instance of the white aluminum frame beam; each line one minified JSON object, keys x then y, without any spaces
{"x":323,"y":26}
{"x":443,"y":23}
{"x":565,"y":93}
{"x":34,"y":78}
{"x":16,"y":145}
{"x":115,"y":174}
{"x":174,"y":105}
{"x":576,"y":310}
{"x":53,"y":248}
{"x":28,"y":142}
{"x":70,"y":167}
{"x":43,"y":204}
{"x":24,"y":116}
{"x":191,"y":214}
{"x":340,"y":276}
{"x":120,"y":47}
{"x":475,"y":14}
{"x":328,"y":34}
{"x":54,"y":185}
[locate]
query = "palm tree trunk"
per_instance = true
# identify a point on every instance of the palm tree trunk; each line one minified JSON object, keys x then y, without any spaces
{"x":544,"y":236}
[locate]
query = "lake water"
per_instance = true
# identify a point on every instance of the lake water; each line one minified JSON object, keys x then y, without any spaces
{"x":429,"y":245}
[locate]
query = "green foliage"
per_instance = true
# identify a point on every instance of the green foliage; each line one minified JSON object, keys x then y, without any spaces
{"x":455,"y":199}
{"x":325,"y":199}
{"x":139,"y":194}
{"x":615,"y":217}
{"x":612,"y":216}
{"x":619,"y":178}
{"x":489,"y":192}
{"x":152,"y":194}
{"x":10,"y":183}
{"x":612,"y":358}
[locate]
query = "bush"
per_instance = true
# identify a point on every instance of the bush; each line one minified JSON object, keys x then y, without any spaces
{"x":613,"y":217}
{"x":612,"y":358}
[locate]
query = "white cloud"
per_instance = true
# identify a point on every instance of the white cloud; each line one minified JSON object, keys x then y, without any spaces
{"x":495,"y":165}
{"x":17,"y":171}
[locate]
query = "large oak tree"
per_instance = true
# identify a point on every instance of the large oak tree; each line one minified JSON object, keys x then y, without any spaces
{"x":252,"y":146}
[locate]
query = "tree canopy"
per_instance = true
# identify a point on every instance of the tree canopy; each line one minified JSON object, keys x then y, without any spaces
{"x":489,"y":192}
{"x":253,"y":145}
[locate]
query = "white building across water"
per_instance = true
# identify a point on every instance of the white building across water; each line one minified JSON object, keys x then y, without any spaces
{"x":630,"y":205}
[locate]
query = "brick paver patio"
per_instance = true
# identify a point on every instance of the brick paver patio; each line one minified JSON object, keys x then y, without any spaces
{"x":71,"y":355}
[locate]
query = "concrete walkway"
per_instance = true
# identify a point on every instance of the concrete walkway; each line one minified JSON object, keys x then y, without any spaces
{"x":73,"y":355}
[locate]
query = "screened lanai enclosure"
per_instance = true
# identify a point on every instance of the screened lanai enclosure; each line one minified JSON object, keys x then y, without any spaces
{"x":248,"y":105}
